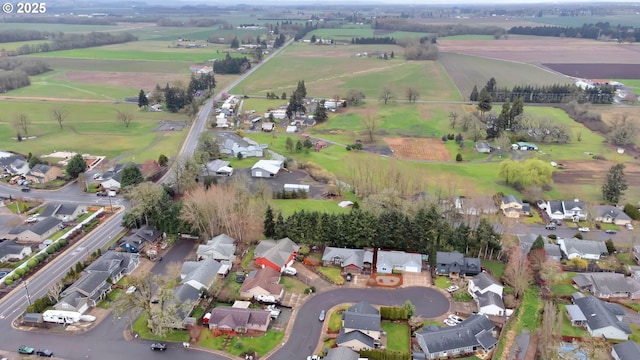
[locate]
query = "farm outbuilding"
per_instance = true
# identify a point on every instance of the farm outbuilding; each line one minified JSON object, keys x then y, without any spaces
{"x":266,"y":168}
{"x":526,"y":146}
{"x":297,"y":187}
{"x":483,"y":147}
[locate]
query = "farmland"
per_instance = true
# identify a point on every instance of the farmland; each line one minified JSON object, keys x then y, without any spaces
{"x":469,"y":71}
{"x":578,"y":21}
{"x":89,"y":128}
{"x":346,"y":33}
{"x":328,"y":70}
{"x":597,"y":71}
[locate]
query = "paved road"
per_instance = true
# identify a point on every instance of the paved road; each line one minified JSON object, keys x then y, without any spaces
{"x":306,"y":329}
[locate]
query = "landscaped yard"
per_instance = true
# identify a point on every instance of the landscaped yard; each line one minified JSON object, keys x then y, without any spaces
{"x":494,"y":267}
{"x":260,"y":344}
{"x":442,"y":282}
{"x":626,"y":259}
{"x":111,"y":297}
{"x":248,"y":258}
{"x":335,"y":319}
{"x":563,"y":289}
{"x":397,"y":336}
{"x":567,"y":328}
{"x":289,"y":206}
{"x":140,"y":327}
{"x":462,"y":295}
{"x":209,"y":341}
{"x":333,"y":273}
{"x":292,"y":284}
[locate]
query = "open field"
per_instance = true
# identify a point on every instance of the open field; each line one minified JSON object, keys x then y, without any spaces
{"x":119,"y":52}
{"x":504,"y":22}
{"x":162,"y":33}
{"x":469,"y":71}
{"x":346,"y":33}
{"x":578,"y":21}
{"x":419,"y":149}
{"x":598,"y":71}
{"x":634,"y":83}
{"x":547,"y":50}
{"x":89,"y":128}
{"x":9,"y":46}
{"x":172,"y":67}
{"x":589,"y":176}
{"x":466,"y":37}
{"x":330,"y":70}
{"x":65,"y":28}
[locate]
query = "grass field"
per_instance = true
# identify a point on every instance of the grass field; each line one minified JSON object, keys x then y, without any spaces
{"x":131,"y":51}
{"x":173,"y":67}
{"x":289,"y":206}
{"x":260,"y":344}
{"x":349,"y":32}
{"x":634,"y":83}
{"x":495,"y":267}
{"x":329,"y":70}
{"x":467,"y":71}
{"x":65,"y":28}
{"x":467,"y":37}
{"x":563,"y":289}
{"x":397,"y":336}
{"x":9,"y":46}
{"x":160,"y":33}
{"x":578,"y":21}
{"x":89,"y":128}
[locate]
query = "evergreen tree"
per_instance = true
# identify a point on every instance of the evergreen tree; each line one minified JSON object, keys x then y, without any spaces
{"x":235,"y":43}
{"x":615,"y":184}
{"x":131,"y":175}
{"x":517,"y":108}
{"x":474,"y":94}
{"x":269,"y":223}
{"x":75,"y":166}
{"x":143,"y":101}
{"x":504,"y":119}
{"x":491,"y":86}
{"x":320,"y":114}
{"x":299,"y":146}
{"x":301,"y":89}
{"x":280,"y":228}
{"x":484,"y":102}
{"x":538,"y":243}
{"x":289,"y":144}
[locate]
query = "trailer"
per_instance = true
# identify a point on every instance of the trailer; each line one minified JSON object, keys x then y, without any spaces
{"x":296,"y":187}
{"x":61,"y":316}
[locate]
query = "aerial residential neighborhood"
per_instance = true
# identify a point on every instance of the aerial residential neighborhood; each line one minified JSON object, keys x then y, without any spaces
{"x":346,"y":181}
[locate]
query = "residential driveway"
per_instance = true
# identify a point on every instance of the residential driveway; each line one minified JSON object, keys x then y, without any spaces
{"x":416,"y":279}
{"x":182,"y":251}
{"x":312,"y":279}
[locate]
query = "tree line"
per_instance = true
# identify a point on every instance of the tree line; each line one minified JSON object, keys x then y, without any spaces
{"x":16,"y":72}
{"x":424,"y":232}
{"x":22,"y":35}
{"x":439,"y":30}
{"x":373,"y":40}
{"x":72,"y":20}
{"x":557,"y":93}
{"x":231,"y":65}
{"x":597,"y":31}
{"x":74,"y":41}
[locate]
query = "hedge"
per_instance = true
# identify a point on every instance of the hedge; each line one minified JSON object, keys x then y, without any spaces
{"x":15,"y":276}
{"x":62,"y":242}
{"x":8,"y":280}
{"x":393,"y":313}
{"x":20,"y":271}
{"x":50,"y":250}
{"x":377,"y":354}
{"x":632,"y":211}
{"x":33,"y":262}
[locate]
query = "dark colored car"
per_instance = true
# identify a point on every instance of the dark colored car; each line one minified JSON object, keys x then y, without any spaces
{"x":101,"y":193}
{"x":25,"y":189}
{"x":44,"y":352}
{"x":550,"y":226}
{"x":612,"y":232}
{"x":348,"y":277}
{"x":158,"y":346}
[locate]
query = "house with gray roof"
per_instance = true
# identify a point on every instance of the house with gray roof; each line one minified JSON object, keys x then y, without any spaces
{"x":360,"y":327}
{"x":221,"y":248}
{"x":232,"y":146}
{"x":11,"y":251}
{"x":483,"y":147}
{"x":8,"y":159}
{"x":607,"y":285}
{"x":551,"y":250}
{"x":217,"y":168}
{"x":388,"y":261}
{"x":603,"y":319}
{"x":487,"y":292}
{"x":42,"y":173}
{"x":341,"y":353}
{"x":265,"y":282}
{"x":240,"y":320}
{"x":139,"y":238}
{"x":612,"y":215}
{"x":567,"y":210}
{"x":476,"y":333}
{"x":511,"y":206}
{"x":64,"y":212}
{"x":455,"y":264}
{"x":628,"y":350}
{"x":186,"y":297}
{"x":584,"y":249}
{"x":277,"y":254}
{"x":350,"y":260}
{"x":19,"y":166}
{"x":203,"y":274}
{"x":35,"y":233}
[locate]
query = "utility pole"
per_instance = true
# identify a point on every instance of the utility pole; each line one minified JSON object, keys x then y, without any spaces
{"x":25,"y":284}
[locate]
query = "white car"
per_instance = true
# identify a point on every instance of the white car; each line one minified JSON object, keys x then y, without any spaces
{"x":31,"y":220}
{"x":449,"y":322}
{"x":131,"y":289}
{"x":583,"y":229}
{"x":453,"y":288}
{"x":290,"y":271}
{"x":629,"y":226}
{"x":457,"y":319}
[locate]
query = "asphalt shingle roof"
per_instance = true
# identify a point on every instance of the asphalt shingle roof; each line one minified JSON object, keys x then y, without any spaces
{"x":474,"y":331}
{"x":628,"y":350}
{"x":600,"y":314}
{"x":276,"y":251}
{"x":355,"y":257}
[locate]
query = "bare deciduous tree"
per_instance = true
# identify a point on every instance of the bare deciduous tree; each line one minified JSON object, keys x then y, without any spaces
{"x":370,"y":122}
{"x":22,"y":123}
{"x":453,"y":119}
{"x":412,"y":94}
{"x":518,"y":272}
{"x":386,"y":94}
{"x":59,"y":115}
{"x":125,"y":117}
{"x":549,"y":331}
{"x":185,"y":173}
{"x":54,"y":291}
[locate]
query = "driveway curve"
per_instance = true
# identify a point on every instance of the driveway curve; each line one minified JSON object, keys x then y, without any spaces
{"x":306,"y":329}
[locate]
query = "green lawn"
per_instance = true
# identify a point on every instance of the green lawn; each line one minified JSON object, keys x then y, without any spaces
{"x":462,"y":296}
{"x":530,"y":308}
{"x":333,"y":273}
{"x":567,"y":276}
{"x":335,"y":320}
{"x":90,"y":128}
{"x":563,"y":289}
{"x":442,"y":282}
{"x":111,"y":297}
{"x":137,"y":66}
{"x":207,"y":340}
{"x":288,"y":207}
{"x":397,"y":336}
{"x":140,"y":326}
{"x":291,"y":284}
{"x":626,"y":259}
{"x":248,"y":258}
{"x":567,"y":328}
{"x":260,"y":344}
{"x":578,"y":21}
{"x":634,"y":83}
{"x":495,"y":267}
{"x":533,"y":219}
{"x":635,"y":332}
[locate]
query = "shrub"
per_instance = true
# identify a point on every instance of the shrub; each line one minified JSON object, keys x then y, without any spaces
{"x":15,"y":276}
{"x":394,"y":313}
{"x":578,"y":235}
{"x":50,"y":250}
{"x":632,"y":211}
{"x":459,"y":157}
{"x":553,"y":236}
{"x":20,"y":271}
{"x":8,"y":281}
{"x":62,"y":242}
{"x":33,"y":262}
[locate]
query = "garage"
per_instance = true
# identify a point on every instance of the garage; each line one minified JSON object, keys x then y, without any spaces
{"x":413,"y":269}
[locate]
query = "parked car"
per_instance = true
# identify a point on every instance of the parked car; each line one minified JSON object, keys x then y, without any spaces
{"x":31,"y":220}
{"x":96,"y":176}
{"x":348,"y":277}
{"x":101,"y":193}
{"x":158,"y":346}
{"x":453,"y":288}
{"x":290,"y":271}
{"x":131,"y":289}
{"x":455,"y":318}
{"x":44,"y":352}
{"x":612,"y":232}
{"x":449,"y":322}
{"x":583,"y":229}
{"x":25,"y":189}
{"x":550,"y":226}
{"x":112,"y":193}
{"x":322,"y":315}
{"x":26,"y":350}
{"x":629,"y":226}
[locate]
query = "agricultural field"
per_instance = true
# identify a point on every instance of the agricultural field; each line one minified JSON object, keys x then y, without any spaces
{"x":90,"y":128}
{"x":578,"y":21}
{"x":544,"y":50}
{"x":328,"y":70}
{"x":597,"y":71}
{"x":466,"y":37}
{"x":10,"y":46}
{"x":468,"y":71}
{"x":161,"y":33}
{"x":69,"y":28}
{"x":346,"y":33}
{"x":633,"y":83}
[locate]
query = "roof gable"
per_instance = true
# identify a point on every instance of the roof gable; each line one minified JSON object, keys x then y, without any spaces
{"x":276,"y":251}
{"x":266,"y":278}
{"x":600,"y":314}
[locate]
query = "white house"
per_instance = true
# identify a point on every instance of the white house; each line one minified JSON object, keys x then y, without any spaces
{"x":487,"y":292}
{"x":278,"y":114}
{"x":584,"y":249}
{"x":398,"y":260}
{"x":567,"y":210}
{"x":483,"y":283}
{"x":603,"y":319}
{"x":267,"y":168}
{"x":201,"y":274}
{"x":221,"y":121}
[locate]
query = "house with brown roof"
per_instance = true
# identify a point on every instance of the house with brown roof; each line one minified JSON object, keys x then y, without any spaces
{"x":41,"y":173}
{"x":239,"y":320}
{"x":265,"y":281}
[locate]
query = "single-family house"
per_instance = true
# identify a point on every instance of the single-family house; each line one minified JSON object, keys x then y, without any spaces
{"x":268,"y":126}
{"x":360,"y":327}
{"x":276,"y":254}
{"x":608,"y":285}
{"x":552,"y":251}
{"x":584,"y":249}
{"x":267,"y":168}
{"x":567,"y":210}
{"x":481,"y":205}
{"x":35,"y":233}
{"x":575,"y":315}
{"x":483,"y":147}
{"x":11,"y":251}
{"x":291,"y":129}
{"x":95,"y":281}
{"x":221,"y":121}
{"x":474,"y":334}
{"x":265,"y":281}
{"x":388,"y":261}
{"x":603,"y":319}
{"x":511,"y":206}
{"x":487,"y":292}
{"x":41,"y":173}
{"x":112,"y":183}
{"x":612,"y":215}
{"x":278,"y":114}
{"x":138,"y":240}
{"x":248,"y":148}
{"x":455,"y":264}
{"x":527,"y":146}
{"x":239,"y":320}
{"x":350,"y":260}
{"x":8,"y":160}
{"x":203,"y":274}
{"x":342,"y":353}
{"x":186,"y":297}
{"x":628,"y":350}
{"x":64,"y":212}
{"x":483,"y":283}
{"x":218,"y":168}
{"x":221,"y":248}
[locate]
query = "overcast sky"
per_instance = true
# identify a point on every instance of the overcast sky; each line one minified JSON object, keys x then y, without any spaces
{"x":426,"y":2}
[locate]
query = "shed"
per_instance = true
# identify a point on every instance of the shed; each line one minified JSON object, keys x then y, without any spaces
{"x":296,"y":187}
{"x":292,"y":129}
